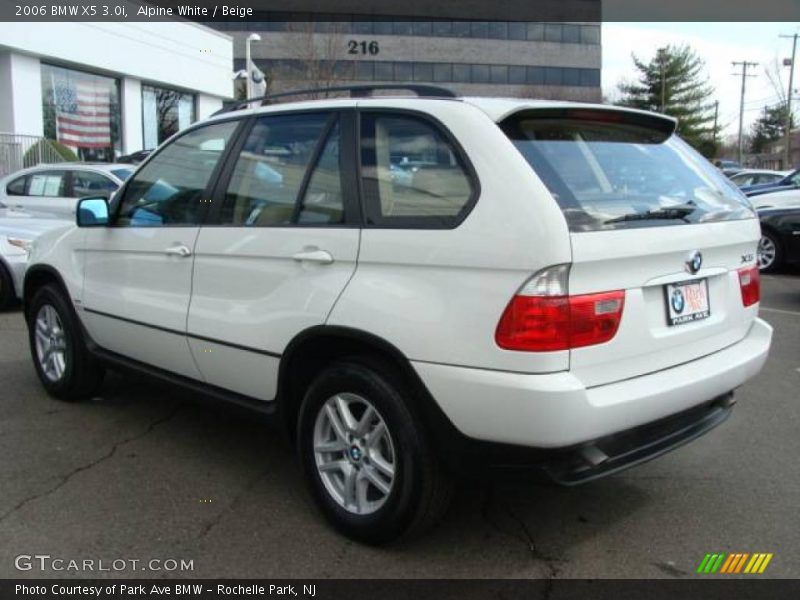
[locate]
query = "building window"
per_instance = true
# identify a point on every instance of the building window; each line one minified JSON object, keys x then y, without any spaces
{"x":365,"y":71}
{"x":499,"y":74}
{"x":517,"y":31}
{"x":516,"y":74}
{"x":590,"y":34}
{"x":164,"y":113}
{"x":552,"y":33}
{"x":535,"y":32}
{"x":384,"y":71}
{"x":403,"y":71}
{"x":82,"y":111}
{"x":461,"y":73}
{"x":423,"y":71}
{"x":572,"y":34}
{"x":442,"y":72}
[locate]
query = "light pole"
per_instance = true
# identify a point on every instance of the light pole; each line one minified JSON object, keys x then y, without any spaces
{"x":248,"y":64}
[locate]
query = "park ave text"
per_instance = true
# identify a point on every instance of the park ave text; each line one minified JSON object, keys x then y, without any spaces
{"x":170,"y":590}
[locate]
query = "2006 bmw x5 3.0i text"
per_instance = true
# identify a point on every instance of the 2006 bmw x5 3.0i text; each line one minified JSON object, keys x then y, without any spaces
{"x":561,"y":286}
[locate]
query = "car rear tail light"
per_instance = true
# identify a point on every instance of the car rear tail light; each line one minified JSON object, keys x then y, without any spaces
{"x":542,"y":316}
{"x":750,"y":284}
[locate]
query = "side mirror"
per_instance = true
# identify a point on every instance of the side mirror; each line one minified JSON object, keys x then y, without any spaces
{"x":92,"y":212}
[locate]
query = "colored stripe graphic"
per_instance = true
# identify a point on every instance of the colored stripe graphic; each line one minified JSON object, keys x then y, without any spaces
{"x":734,"y":563}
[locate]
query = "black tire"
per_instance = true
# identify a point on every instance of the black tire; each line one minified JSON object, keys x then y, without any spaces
{"x":7,"y":294}
{"x":82,"y":374}
{"x":421,"y":490}
{"x":778,"y":260}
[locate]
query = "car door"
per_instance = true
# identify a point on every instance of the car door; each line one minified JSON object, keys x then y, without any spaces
{"x":281,"y":248}
{"x":138,"y":271}
{"x":47,"y":192}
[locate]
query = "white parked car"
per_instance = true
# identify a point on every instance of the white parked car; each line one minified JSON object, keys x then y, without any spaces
{"x":17,"y":232}
{"x":778,"y":199}
{"x":56,"y":188}
{"x":757,"y":177}
{"x":565,"y":287}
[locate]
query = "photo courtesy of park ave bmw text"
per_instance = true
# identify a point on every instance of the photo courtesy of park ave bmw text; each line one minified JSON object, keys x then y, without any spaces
{"x":469,"y":299}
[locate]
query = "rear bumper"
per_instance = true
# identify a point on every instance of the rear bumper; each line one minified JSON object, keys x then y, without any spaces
{"x":621,"y":451}
{"x":555,"y":411}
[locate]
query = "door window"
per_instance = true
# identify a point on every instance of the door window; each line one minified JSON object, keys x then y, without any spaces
{"x":411,"y":173}
{"x":170,"y":189}
{"x":88,"y":183}
{"x":287,"y":174}
{"x":49,"y":184}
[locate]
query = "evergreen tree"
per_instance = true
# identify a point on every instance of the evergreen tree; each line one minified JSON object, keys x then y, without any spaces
{"x":671,"y":82}
{"x":769,"y":127}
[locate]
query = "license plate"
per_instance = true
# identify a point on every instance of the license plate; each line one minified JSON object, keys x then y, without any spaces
{"x":687,"y":302}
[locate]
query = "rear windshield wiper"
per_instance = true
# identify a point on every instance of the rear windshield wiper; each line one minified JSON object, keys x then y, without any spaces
{"x":672,"y":212}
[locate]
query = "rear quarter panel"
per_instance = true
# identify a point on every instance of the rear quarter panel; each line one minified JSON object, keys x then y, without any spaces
{"x":437,"y":295}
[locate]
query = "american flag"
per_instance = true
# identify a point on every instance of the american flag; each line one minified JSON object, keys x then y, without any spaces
{"x":83,"y":118}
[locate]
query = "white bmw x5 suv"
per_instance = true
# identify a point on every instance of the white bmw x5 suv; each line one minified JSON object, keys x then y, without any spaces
{"x":563,"y":288}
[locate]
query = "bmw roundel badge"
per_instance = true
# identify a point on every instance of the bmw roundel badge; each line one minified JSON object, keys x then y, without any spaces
{"x":694,"y":262}
{"x":677,"y":300}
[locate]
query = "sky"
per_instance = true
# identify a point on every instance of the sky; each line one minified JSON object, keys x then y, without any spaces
{"x":718,"y":44}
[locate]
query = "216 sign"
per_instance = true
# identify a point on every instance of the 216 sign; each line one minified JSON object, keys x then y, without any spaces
{"x":363,"y":47}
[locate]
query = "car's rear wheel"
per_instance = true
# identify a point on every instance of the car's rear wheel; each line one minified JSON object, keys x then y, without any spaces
{"x":7,"y":294}
{"x":367,"y":459}
{"x":770,"y":255}
{"x":63,"y":363}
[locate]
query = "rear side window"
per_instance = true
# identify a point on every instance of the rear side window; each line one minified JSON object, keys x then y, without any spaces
{"x":169,"y":190}
{"x":49,"y":184}
{"x":88,"y":183}
{"x":412,"y":175}
{"x":17,"y":187}
{"x":612,"y":170}
{"x":287,"y":174}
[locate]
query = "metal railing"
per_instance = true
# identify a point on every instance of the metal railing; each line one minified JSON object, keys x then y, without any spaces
{"x":20,"y":151}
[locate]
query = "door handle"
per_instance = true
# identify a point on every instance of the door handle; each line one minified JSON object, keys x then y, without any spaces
{"x":314,"y":255}
{"x":179,"y":250}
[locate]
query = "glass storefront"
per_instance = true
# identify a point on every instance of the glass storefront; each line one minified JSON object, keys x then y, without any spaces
{"x":164,"y":112}
{"x":82,"y":111}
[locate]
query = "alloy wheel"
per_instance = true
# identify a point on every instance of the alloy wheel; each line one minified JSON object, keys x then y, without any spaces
{"x":766,"y":252}
{"x":354,"y":453}
{"x":51,"y":343}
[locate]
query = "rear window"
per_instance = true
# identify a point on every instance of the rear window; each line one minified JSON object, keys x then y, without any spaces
{"x":122,"y":174}
{"x":610,"y":170}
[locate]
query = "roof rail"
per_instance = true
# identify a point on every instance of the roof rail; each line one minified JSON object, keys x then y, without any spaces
{"x":356,"y":91}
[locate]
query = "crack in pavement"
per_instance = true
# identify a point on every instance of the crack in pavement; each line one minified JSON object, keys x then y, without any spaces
{"x":525,"y":536}
{"x":216,"y":520}
{"x":65,"y":479}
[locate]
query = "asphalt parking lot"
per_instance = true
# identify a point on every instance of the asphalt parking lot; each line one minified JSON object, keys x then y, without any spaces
{"x":144,"y":472}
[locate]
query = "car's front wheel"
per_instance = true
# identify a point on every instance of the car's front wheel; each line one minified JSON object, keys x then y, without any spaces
{"x":367,"y":458}
{"x":63,"y":363}
{"x":770,"y":255}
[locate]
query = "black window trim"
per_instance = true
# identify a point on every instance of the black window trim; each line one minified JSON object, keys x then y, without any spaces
{"x":210,"y":184}
{"x":436,"y":222}
{"x":345,"y":116}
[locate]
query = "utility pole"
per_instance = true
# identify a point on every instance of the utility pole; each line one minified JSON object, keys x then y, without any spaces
{"x":788,"y":142}
{"x":716,"y":116}
{"x":663,"y":79}
{"x":744,"y":64}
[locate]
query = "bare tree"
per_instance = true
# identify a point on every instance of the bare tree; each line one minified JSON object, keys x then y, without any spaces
{"x":318,"y":47}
